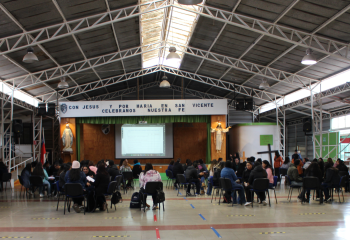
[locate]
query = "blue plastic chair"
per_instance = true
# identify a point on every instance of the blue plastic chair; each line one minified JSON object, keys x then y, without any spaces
{"x":275,"y":181}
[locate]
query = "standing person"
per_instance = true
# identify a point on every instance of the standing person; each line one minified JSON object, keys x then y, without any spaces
{"x":277,"y":163}
{"x":257,"y":172}
{"x":137,"y":169}
{"x":245,"y":181}
{"x":101,"y":186}
{"x":40,"y":171}
{"x":228,"y":172}
{"x":149,"y":175}
{"x":191,"y":175}
{"x":268,"y":168}
{"x":76,"y":176}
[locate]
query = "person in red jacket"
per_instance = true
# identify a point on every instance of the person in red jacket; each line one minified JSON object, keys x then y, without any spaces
{"x":277,"y":163}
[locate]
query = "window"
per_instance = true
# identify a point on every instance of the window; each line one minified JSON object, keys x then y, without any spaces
{"x":341,"y":122}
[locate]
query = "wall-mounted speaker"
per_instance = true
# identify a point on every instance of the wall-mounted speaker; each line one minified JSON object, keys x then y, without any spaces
{"x":17,"y":126}
{"x":249,"y":104}
{"x":307,"y":124}
{"x":240,"y":104}
{"x":41,"y":109}
{"x":51,"y":109}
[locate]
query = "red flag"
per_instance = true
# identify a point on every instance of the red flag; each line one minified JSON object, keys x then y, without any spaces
{"x":43,"y":149}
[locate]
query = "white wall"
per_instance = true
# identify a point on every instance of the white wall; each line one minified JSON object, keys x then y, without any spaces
{"x":246,"y":139}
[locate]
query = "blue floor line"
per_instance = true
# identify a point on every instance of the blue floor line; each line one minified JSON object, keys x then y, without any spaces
{"x":192,"y":206}
{"x":202,"y":216}
{"x":216,"y":232}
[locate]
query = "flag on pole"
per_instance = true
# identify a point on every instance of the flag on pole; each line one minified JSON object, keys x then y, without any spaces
{"x":43,"y":149}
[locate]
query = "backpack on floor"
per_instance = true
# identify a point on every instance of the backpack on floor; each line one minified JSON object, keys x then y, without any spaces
{"x":116,"y":198}
{"x":135,"y":200}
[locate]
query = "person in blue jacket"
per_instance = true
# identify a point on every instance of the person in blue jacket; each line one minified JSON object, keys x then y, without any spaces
{"x":229,"y":173}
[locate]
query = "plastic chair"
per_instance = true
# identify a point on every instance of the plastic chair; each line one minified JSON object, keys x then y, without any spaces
{"x":112,"y":187}
{"x":170,"y":176}
{"x":73,"y":190}
{"x":226,"y":185}
{"x":182,"y":181}
{"x":340,"y":186}
{"x":127,"y":176}
{"x":312,"y":183}
{"x":6,"y":177}
{"x":211,"y":181}
{"x":37,"y":182}
{"x":283,"y":173}
{"x":59,"y":193}
{"x":275,"y":181}
{"x":291,"y":187}
{"x":151,"y":188}
{"x":261,"y":185}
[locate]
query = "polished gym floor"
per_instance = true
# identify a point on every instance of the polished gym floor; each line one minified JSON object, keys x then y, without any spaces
{"x":183,"y":218}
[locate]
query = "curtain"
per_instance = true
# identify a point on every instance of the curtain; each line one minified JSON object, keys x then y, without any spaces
{"x":149,"y":119}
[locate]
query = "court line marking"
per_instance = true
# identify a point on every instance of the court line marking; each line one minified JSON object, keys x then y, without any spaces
{"x":216,"y":232}
{"x":202,"y":217}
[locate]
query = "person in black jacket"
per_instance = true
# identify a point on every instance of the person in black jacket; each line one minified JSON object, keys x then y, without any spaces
{"x":332,"y":178}
{"x":245,"y":181}
{"x":53,"y":170}
{"x":177,"y":169}
{"x":101,"y":186}
{"x":257,"y":172}
{"x":191,"y":175}
{"x":112,"y":170}
{"x":136,"y":169}
{"x":312,"y":171}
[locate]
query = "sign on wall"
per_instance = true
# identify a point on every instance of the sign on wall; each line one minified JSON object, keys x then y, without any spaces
{"x":266,"y":140}
{"x":143,"y":108}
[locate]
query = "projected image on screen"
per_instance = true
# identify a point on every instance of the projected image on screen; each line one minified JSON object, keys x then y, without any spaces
{"x":143,"y":140}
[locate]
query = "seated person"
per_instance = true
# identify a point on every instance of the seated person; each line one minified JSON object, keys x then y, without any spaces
{"x":228,"y":172}
{"x":299,"y":167}
{"x":235,"y":164}
{"x":53,"y":170}
{"x":332,"y":178}
{"x":126,"y":167}
{"x":293,"y":173}
{"x":201,"y":166}
{"x":101,"y":186}
{"x":212,"y":172}
{"x":171,"y":165}
{"x":177,"y":169}
{"x":92,"y":167}
{"x":286,"y":163}
{"x":137,"y":169}
{"x":40,"y":171}
{"x":191,"y":175}
{"x":62,"y":173}
{"x":149,"y":175}
{"x":245,"y":181}
{"x":312,"y":171}
{"x":112,"y":170}
{"x":268,"y":168}
{"x":76,"y":176}
{"x":306,"y":163}
{"x":257,"y":172}
{"x":25,"y":174}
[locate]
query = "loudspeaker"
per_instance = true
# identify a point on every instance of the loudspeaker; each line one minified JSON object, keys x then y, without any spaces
{"x":249,"y":104}
{"x":17,"y":126}
{"x":41,"y":109}
{"x":51,"y":109}
{"x":240,"y":104}
{"x":307,"y":124}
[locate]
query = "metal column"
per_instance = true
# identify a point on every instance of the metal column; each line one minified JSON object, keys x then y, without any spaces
{"x":282,"y":130}
{"x":6,"y":133}
{"x":37,"y":131}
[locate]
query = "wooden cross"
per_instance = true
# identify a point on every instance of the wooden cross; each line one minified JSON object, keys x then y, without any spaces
{"x":269,"y":152}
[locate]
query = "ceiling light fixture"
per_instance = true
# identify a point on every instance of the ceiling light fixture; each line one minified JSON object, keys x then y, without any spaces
{"x":189,"y":2}
{"x":63,"y":83}
{"x":30,"y":57}
{"x":173,"y":55}
{"x":309,"y":58}
{"x":264,"y":85}
{"x":164,"y":83}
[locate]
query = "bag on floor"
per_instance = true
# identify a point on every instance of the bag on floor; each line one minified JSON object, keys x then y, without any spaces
{"x":116,"y":198}
{"x":227,"y":198}
{"x":160,"y":196}
{"x":135,"y":200}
